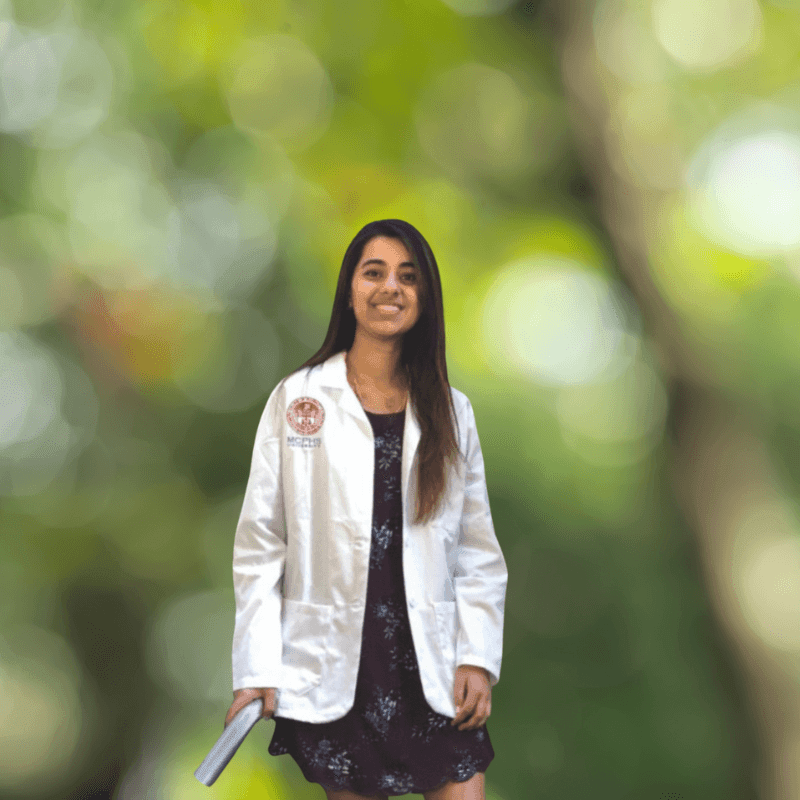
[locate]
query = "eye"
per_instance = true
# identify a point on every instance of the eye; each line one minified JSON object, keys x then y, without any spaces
{"x":410,"y":276}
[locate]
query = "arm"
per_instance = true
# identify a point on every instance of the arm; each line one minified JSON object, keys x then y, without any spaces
{"x":481,"y":574}
{"x":259,"y":554}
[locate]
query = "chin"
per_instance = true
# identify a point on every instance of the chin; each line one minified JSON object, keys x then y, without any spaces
{"x":379,"y":330}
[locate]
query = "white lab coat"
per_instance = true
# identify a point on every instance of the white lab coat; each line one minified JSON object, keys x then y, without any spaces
{"x":302,"y":546}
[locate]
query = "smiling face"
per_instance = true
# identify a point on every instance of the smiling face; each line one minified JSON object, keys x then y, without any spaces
{"x":385,"y":289}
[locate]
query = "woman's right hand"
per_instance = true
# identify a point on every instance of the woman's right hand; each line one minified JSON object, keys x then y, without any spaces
{"x":241,"y":697}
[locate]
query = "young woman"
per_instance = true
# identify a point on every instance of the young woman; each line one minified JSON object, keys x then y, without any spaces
{"x":370,"y":586}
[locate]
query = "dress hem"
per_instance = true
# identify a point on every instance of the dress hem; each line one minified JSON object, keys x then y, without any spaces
{"x":411,"y":790}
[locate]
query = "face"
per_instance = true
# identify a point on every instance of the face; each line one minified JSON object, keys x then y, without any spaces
{"x":385,"y":289}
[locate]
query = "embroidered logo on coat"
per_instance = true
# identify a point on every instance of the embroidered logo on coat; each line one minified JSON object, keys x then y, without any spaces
{"x":305,"y":415}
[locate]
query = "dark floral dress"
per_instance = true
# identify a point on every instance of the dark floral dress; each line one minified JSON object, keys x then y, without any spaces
{"x":391,"y":741}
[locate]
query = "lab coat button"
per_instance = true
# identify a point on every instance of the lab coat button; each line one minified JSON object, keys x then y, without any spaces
{"x":412,"y":604}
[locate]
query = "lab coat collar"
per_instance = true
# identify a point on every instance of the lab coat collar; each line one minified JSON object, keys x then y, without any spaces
{"x":333,"y":378}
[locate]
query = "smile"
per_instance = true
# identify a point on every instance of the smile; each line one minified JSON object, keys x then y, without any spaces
{"x":388,"y":308}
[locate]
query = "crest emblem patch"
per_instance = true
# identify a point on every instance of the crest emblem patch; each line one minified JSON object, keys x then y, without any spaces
{"x":305,"y":415}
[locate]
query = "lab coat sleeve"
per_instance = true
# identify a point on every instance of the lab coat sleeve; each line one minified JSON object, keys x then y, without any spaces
{"x":481,"y":575}
{"x":259,"y":554}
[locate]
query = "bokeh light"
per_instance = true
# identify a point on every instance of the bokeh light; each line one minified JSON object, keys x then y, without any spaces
{"x":278,"y":87}
{"x":626,"y":43}
{"x":478,"y":8}
{"x":41,"y":710}
{"x":35,"y":438}
{"x":554,"y":321}
{"x":767,"y":565}
{"x":189,"y":624}
{"x":475,"y":121}
{"x":744,"y":184}
{"x":709,"y":35}
{"x":55,"y":85}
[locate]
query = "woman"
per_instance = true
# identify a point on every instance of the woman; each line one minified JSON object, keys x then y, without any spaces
{"x":370,"y":595}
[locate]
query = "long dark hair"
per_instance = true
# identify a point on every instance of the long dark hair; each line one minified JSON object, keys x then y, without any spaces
{"x":422,"y":357}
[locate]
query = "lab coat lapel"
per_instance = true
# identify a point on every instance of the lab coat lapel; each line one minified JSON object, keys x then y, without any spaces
{"x":334,"y":376}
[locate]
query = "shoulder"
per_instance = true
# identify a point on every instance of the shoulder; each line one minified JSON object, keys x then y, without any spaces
{"x":465,"y":418}
{"x":298,"y":382}
{"x":287,"y":387}
{"x":460,"y":402}
{"x":297,"y":379}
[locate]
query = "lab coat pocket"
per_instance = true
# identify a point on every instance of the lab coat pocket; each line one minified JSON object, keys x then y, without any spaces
{"x":305,"y":630}
{"x":446,"y":626}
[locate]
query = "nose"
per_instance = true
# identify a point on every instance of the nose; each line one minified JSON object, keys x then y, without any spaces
{"x":391,"y":281}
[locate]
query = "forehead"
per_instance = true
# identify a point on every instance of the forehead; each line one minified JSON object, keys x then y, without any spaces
{"x":392,"y":251}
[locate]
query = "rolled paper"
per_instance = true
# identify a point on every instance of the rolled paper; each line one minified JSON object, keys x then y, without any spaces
{"x":228,"y":743}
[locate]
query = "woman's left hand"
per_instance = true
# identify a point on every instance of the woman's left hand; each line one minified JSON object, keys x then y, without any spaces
{"x":473,"y":697}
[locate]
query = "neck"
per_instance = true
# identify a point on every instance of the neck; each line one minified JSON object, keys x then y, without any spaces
{"x":376,"y":361}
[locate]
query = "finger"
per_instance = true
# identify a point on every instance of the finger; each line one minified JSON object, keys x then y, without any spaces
{"x":470,"y":722}
{"x":481,"y":715}
{"x":240,"y":701}
{"x":460,"y":696}
{"x":265,"y":705}
{"x":460,"y":705}
{"x":461,"y":715}
{"x":467,"y":696}
{"x":462,"y":712}
{"x":232,"y":712}
{"x":459,"y":686}
{"x":477,"y":717}
{"x":466,"y":713}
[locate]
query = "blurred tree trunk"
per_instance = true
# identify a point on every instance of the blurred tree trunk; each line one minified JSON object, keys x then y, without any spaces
{"x":719,"y":465}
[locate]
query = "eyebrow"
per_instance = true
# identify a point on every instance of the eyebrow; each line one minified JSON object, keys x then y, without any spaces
{"x":381,"y":261}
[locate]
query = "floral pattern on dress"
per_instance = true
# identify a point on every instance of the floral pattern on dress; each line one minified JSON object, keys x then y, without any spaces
{"x":333,"y":757}
{"x":427,"y":728}
{"x":398,"y":782}
{"x":381,"y":709}
{"x":391,"y":488}
{"x":466,"y":767}
{"x":381,"y":539}
{"x":401,"y":657}
{"x":390,"y":741}
{"x":388,"y":449}
{"x":389,"y":612}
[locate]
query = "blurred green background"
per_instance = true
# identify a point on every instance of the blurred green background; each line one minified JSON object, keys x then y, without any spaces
{"x":612,"y":192}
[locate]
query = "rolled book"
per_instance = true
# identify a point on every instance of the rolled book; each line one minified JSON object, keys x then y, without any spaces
{"x":228,"y":743}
